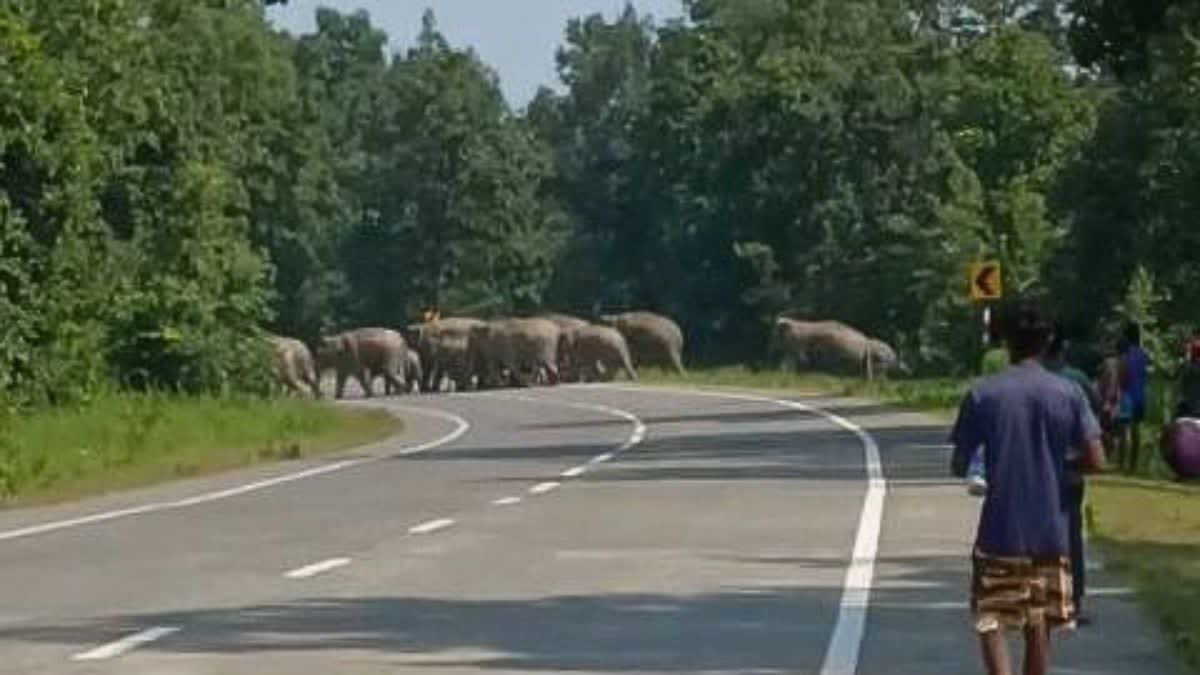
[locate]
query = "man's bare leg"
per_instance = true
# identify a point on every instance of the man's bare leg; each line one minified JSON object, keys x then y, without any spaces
{"x":1037,"y":650}
{"x":995,"y":653}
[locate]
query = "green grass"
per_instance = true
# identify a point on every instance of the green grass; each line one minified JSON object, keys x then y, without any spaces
{"x":124,"y":441}
{"x":1150,"y":533}
{"x":930,"y":395}
{"x":1148,"y":526}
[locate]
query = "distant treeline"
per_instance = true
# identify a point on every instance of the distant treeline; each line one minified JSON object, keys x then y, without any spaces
{"x":176,"y":175}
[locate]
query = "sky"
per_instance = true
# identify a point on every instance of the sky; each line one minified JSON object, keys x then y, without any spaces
{"x":516,"y":37}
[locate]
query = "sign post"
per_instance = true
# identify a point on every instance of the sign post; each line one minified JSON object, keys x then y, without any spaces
{"x":985,"y":286}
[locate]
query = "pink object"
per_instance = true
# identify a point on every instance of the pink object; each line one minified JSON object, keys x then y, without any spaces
{"x":1193,"y":350}
{"x":1181,"y":447}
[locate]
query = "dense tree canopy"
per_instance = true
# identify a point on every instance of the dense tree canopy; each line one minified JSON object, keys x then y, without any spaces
{"x":177,"y":176}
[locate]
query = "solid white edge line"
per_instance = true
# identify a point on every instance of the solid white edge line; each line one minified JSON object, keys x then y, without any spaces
{"x":431,"y":526}
{"x":317,"y":568}
{"x":461,"y":428}
{"x":845,"y":645}
{"x":543,"y":488}
{"x":125,"y":644}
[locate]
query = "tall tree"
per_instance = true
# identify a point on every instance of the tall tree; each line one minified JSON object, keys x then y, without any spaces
{"x":455,"y":194}
{"x":600,"y":172}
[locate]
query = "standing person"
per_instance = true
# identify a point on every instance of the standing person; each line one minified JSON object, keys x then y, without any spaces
{"x":995,"y":360}
{"x":1027,"y":419}
{"x":1135,"y":367}
{"x":1055,"y":361}
{"x":1189,"y":381}
{"x":1108,"y":389}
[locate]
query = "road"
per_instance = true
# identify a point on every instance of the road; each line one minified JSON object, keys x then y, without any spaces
{"x":579,"y":529}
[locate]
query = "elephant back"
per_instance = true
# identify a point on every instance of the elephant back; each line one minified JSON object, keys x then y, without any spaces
{"x":377,"y":349}
{"x":655,"y":337}
{"x":565,"y":322}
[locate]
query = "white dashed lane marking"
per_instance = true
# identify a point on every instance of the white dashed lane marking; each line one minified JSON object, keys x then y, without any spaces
{"x":125,"y":644}
{"x":543,"y":488}
{"x":317,"y":568}
{"x":432,"y":526}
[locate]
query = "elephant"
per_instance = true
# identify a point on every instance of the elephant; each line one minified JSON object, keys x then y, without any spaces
{"x":568,"y":371}
{"x":442,"y":345}
{"x":294,"y":367}
{"x":413,"y":372}
{"x":832,"y":346}
{"x":565,"y":322}
{"x":365,"y":353}
{"x":598,"y":352}
{"x":653,"y":339}
{"x":514,"y":351}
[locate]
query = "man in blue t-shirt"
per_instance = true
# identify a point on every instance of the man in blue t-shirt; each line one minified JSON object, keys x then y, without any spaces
{"x":1028,"y":420}
{"x":1135,"y":367}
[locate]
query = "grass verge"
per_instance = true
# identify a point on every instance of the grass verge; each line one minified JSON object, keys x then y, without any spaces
{"x":1150,"y":533}
{"x":1149,"y":527}
{"x":124,"y":441}
{"x":929,"y":395}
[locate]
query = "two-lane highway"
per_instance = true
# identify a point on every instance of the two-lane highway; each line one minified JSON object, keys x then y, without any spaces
{"x":576,"y":529}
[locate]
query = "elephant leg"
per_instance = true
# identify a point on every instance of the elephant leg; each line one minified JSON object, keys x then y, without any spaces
{"x":314,"y":385}
{"x":342,"y":376}
{"x":364,"y":381}
{"x":429,"y":380}
{"x":610,"y":370}
{"x":630,"y":372}
{"x":295,"y":384}
{"x":395,"y":382}
{"x":552,"y":375}
{"x":677,"y":363}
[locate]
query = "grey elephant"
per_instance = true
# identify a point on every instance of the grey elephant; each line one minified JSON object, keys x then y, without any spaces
{"x":514,"y":351}
{"x":565,"y":322}
{"x":830,"y":346}
{"x":567,"y":371}
{"x":294,"y":366}
{"x":365,"y":353}
{"x":654,"y":340}
{"x":597,"y":352}
{"x":442,"y":345}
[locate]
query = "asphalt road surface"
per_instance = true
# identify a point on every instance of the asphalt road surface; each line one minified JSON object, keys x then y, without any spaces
{"x":571,"y":530}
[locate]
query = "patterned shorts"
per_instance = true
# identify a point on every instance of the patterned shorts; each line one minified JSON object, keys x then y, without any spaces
{"x":1020,"y":593}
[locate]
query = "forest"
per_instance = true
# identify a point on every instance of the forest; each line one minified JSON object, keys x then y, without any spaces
{"x":177,"y":176}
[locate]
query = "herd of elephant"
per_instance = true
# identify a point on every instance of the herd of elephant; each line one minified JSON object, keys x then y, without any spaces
{"x":460,"y":354}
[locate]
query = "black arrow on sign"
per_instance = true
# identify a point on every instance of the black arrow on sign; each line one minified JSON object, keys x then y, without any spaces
{"x":985,"y":281}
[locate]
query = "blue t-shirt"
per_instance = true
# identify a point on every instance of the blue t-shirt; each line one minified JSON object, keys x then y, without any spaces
{"x":1028,"y":420}
{"x":1137,"y":365}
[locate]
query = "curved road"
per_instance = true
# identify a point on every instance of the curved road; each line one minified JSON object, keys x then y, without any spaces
{"x":579,"y":529}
